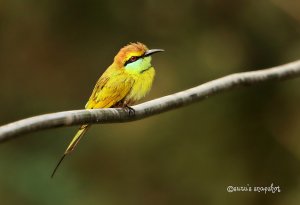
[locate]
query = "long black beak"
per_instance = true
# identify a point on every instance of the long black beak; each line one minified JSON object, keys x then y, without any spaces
{"x":152,"y":51}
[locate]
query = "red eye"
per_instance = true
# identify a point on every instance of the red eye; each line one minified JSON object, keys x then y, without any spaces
{"x":133,"y":58}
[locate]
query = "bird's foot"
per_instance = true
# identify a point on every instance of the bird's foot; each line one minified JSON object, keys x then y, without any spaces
{"x":130,"y":110}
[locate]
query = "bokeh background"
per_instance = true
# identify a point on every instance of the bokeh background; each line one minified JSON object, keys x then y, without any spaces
{"x":52,"y":53}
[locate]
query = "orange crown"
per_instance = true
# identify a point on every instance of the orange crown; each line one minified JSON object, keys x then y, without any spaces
{"x":132,"y":49}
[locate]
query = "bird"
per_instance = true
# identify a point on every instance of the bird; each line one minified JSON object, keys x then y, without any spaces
{"x":127,"y":80}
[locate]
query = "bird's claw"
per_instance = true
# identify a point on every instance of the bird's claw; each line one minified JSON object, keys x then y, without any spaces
{"x":130,"y":110}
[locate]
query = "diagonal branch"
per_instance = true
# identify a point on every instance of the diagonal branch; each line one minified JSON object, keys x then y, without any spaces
{"x":147,"y":109}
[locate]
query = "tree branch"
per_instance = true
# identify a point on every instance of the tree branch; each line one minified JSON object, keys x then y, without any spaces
{"x":147,"y":109}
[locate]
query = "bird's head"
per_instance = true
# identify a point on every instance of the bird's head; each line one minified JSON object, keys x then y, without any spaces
{"x":135,"y":57}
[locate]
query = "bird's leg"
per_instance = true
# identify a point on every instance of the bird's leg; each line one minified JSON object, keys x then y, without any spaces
{"x":130,"y":110}
{"x":126,"y":107}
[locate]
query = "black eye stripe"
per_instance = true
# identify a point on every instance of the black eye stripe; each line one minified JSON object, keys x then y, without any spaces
{"x":132,"y":59}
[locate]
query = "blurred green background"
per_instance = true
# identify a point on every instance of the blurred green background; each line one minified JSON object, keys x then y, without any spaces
{"x":53,"y":52}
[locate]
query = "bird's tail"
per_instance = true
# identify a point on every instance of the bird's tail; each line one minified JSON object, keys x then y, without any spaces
{"x":82,"y":130}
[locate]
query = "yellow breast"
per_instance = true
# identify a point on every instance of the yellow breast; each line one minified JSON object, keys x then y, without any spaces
{"x":141,"y":86}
